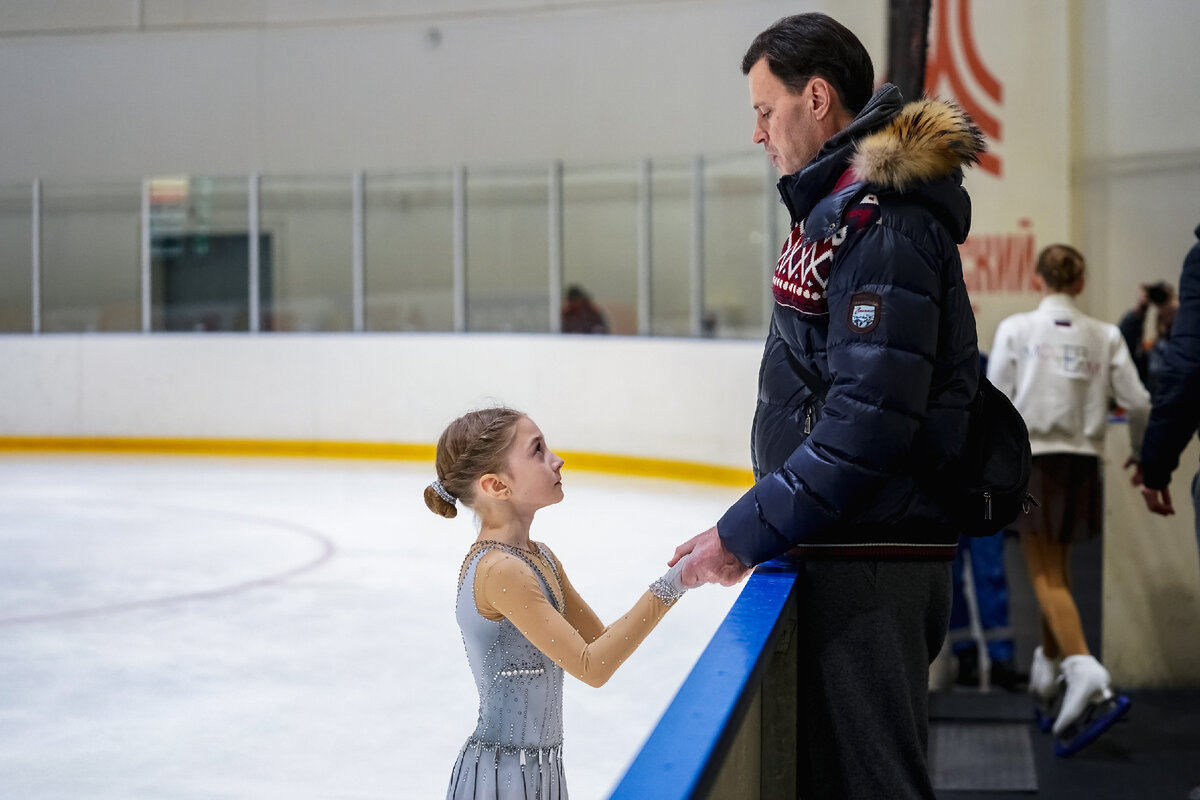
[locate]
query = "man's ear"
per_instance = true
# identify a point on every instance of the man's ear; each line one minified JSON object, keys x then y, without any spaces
{"x":493,"y":486}
{"x":822,"y":97}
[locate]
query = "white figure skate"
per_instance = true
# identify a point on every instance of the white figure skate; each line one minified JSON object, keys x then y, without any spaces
{"x":1089,"y":706}
{"x":1046,"y":687}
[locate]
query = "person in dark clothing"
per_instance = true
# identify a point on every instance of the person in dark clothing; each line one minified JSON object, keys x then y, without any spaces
{"x":1148,"y":360}
{"x":989,"y":589}
{"x":1175,"y":413}
{"x":870,"y":302}
{"x":580,"y":315}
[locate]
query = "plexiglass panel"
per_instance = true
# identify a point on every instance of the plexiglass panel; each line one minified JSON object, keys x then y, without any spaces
{"x":736,"y":276}
{"x":308,"y":221}
{"x":508,"y":261}
{"x":671,"y":248}
{"x":600,"y":246}
{"x":91,"y":269}
{"x":16,"y":258}
{"x":410,"y":252}
{"x":200,"y":254}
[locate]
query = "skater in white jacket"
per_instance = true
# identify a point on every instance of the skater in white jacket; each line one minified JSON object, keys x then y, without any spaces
{"x":1060,"y":368}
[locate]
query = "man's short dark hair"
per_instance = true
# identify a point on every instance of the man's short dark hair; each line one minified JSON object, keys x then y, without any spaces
{"x":806,"y":46}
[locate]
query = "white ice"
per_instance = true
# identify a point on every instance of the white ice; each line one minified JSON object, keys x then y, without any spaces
{"x":191,"y":627}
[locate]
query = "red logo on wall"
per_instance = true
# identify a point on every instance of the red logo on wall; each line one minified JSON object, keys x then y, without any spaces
{"x":1000,"y":262}
{"x":954,"y":69}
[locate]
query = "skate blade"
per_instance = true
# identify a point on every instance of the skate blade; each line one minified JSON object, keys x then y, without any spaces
{"x":1098,"y":719}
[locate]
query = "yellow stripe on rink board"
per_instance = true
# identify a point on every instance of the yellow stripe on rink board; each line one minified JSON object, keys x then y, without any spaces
{"x":222,"y":447}
{"x":658,"y":468}
{"x":591,"y":462}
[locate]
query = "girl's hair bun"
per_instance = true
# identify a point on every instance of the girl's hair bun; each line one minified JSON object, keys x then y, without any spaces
{"x":438,"y":505}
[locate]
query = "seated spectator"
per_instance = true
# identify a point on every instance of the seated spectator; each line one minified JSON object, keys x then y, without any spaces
{"x":580,"y":314}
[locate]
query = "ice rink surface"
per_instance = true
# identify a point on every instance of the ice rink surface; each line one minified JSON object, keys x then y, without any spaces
{"x":283,"y":629}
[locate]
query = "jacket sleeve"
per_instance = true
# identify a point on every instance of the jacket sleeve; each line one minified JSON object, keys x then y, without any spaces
{"x":884,"y":317}
{"x":1128,"y":390}
{"x":1131,"y":325}
{"x":1176,"y":411}
{"x":1002,"y":361}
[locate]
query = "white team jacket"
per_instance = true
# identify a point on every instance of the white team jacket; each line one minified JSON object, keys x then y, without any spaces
{"x":1060,"y":367}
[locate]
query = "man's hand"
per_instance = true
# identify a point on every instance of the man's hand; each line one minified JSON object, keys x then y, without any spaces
{"x":1158,"y":501}
{"x":710,"y":561}
{"x":1136,"y":477}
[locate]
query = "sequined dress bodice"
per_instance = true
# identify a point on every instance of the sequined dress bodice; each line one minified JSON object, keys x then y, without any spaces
{"x":520,"y":688}
{"x":516,"y":750}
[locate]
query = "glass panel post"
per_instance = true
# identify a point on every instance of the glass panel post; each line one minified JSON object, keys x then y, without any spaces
{"x":645,"y":248}
{"x":36,"y":254}
{"x":697,"y":261}
{"x":460,"y":249}
{"x":144,"y":255}
{"x":358,"y":255}
{"x":255,"y":184}
{"x":555,"y":203}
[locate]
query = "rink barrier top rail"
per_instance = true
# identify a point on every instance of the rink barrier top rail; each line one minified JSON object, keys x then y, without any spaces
{"x":731,"y":725}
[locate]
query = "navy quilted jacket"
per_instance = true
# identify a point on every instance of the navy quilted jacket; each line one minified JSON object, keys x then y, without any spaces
{"x":869,"y":299}
{"x":1175,"y":415}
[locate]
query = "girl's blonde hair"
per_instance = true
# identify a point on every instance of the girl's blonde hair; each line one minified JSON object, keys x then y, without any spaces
{"x":1060,"y":265}
{"x":471,"y":446}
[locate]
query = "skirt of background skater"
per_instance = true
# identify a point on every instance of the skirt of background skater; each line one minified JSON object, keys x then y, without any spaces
{"x":1070,"y":490}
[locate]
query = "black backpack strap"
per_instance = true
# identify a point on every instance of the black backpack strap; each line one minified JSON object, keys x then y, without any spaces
{"x":814,"y":383}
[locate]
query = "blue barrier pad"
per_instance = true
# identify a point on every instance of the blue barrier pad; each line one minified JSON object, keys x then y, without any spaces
{"x":681,"y":752}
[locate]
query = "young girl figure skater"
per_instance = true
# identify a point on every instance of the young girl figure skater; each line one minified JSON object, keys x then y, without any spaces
{"x":1061,"y":368}
{"x":522,"y":622}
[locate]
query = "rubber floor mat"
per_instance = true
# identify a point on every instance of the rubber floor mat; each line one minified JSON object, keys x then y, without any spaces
{"x":981,"y":757}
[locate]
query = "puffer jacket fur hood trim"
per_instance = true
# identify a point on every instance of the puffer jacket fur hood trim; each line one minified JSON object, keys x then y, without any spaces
{"x":926,"y":141}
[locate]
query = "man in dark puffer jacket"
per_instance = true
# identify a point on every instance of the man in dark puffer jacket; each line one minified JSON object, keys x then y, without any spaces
{"x":870,"y":303}
{"x":1175,"y":415}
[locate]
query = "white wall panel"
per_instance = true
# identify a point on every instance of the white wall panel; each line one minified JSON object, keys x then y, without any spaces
{"x":655,"y":398}
{"x":39,"y":16}
{"x":597,"y":82}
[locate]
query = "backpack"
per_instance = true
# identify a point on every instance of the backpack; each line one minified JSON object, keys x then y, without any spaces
{"x":984,"y":489}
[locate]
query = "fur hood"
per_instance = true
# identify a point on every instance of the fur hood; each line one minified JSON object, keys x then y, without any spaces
{"x":927,"y":140}
{"x":899,"y":147}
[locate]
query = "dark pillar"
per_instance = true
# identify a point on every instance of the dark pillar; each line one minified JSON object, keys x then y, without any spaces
{"x":908,"y":38}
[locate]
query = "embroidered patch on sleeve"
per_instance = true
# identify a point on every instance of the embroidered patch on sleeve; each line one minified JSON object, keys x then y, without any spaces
{"x":865,"y":310}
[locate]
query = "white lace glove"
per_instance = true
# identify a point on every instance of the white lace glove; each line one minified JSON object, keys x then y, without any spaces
{"x":669,"y":587}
